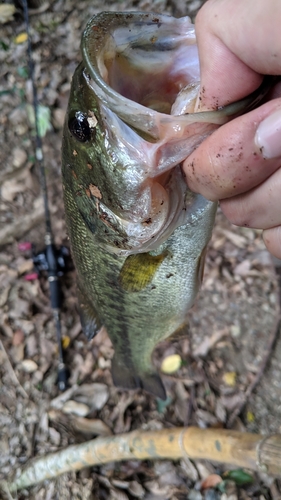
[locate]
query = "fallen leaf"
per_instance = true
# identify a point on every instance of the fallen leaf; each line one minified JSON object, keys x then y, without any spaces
{"x":211,"y":481}
{"x":65,"y":341}
{"x":25,"y":266}
{"x":18,"y":337}
{"x":229,"y":378}
{"x":58,"y":117}
{"x":171,"y":363}
{"x":243,"y":268}
{"x":91,"y":426}
{"x":6,"y":12}
{"x":239,"y":476}
{"x":250,"y":417}
{"x":44,"y":118}
{"x":55,"y":436}
{"x":94,"y":395}
{"x":72,"y":407}
{"x":19,"y":157}
{"x":29,"y":366}
{"x":21,"y":38}
{"x":136,"y":489}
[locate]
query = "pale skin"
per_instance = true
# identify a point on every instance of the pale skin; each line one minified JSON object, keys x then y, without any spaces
{"x":240,"y":164}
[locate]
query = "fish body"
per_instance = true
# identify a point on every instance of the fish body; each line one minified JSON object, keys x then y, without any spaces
{"x":138,"y":235}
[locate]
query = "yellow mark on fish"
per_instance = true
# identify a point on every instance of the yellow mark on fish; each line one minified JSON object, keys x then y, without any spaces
{"x":95,"y":191}
{"x":74,"y":152}
{"x":138,"y":271}
{"x":90,"y":167}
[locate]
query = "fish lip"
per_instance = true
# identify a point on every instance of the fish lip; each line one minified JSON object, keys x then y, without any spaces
{"x":128,"y":110}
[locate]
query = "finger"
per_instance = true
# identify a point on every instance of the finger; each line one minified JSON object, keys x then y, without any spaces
{"x":231,"y":160}
{"x":259,"y":208}
{"x":238,"y":41}
{"x":272,"y":240}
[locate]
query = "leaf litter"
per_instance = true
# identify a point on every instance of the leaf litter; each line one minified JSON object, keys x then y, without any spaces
{"x":229,"y":325}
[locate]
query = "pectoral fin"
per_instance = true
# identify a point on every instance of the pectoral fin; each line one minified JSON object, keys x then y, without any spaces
{"x":90,"y":321}
{"x":124,"y":376}
{"x":138,"y":271}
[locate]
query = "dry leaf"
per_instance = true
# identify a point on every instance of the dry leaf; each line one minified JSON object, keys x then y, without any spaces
{"x":94,"y":395}
{"x":211,"y":481}
{"x":136,"y":489}
{"x":19,"y":157}
{"x":243,"y":268}
{"x":6,"y":12}
{"x":250,"y":417}
{"x":18,"y":337}
{"x":65,"y":341}
{"x":229,"y":378}
{"x":29,"y":366}
{"x":171,"y":363}
{"x":91,"y":426}
{"x":79,"y":409}
{"x":21,"y":38}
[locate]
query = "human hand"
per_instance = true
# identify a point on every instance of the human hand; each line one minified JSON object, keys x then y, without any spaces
{"x":240,"y":163}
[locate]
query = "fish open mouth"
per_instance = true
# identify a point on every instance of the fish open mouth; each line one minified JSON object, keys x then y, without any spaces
{"x":143,"y":70}
{"x":151,"y":62}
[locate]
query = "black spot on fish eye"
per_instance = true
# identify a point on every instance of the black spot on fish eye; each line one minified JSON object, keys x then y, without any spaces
{"x":79,"y":127}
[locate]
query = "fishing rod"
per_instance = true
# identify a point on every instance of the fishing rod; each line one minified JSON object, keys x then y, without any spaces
{"x":51,"y":259}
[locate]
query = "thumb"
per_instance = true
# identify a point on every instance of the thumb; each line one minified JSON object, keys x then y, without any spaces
{"x":238,"y":156}
{"x":236,"y":42}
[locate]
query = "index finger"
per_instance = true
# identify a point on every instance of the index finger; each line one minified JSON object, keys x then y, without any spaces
{"x":238,"y":42}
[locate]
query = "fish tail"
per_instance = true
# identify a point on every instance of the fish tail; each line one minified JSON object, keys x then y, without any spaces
{"x":124,"y":376}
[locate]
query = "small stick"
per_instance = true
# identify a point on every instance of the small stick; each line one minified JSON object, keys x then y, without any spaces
{"x":252,"y":451}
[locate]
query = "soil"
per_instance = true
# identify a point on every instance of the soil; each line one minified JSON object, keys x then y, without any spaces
{"x":231,"y":325}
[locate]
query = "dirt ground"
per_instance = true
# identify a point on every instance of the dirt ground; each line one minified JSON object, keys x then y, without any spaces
{"x":232,"y":324}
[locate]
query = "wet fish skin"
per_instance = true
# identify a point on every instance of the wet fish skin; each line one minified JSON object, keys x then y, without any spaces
{"x":138,"y":235}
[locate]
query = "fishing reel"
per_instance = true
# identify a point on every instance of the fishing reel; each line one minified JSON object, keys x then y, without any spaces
{"x":47,"y":260}
{"x":53,"y":261}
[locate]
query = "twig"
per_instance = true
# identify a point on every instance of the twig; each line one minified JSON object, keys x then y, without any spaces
{"x":248,"y":450}
{"x":12,"y":372}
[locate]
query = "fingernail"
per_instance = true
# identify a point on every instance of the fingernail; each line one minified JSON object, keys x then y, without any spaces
{"x":268,"y":135}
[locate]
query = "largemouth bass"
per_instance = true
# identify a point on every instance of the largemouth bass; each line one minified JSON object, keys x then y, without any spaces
{"x":138,"y":235}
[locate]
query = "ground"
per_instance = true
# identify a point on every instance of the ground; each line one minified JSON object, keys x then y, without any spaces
{"x":233,"y":325}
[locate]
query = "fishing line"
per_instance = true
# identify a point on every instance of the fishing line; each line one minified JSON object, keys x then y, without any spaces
{"x":51,"y":254}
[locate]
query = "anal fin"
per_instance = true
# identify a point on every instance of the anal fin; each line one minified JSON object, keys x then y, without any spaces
{"x":88,"y":316}
{"x":126,"y":377}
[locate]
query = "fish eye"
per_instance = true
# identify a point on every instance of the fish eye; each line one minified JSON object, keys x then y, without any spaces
{"x":79,"y":127}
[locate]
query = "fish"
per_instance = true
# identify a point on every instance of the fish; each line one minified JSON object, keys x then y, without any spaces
{"x":138,"y":235}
